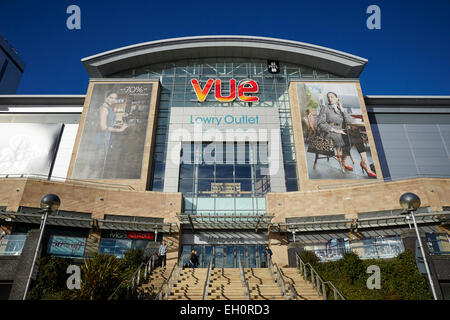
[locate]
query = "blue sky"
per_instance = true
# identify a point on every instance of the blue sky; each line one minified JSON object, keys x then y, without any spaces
{"x":409,"y":55}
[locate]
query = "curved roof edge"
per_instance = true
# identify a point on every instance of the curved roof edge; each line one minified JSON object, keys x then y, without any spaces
{"x":325,"y":59}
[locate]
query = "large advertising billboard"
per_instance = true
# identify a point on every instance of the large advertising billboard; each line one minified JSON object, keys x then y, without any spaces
{"x":114,"y":132}
{"x":335,"y":132}
{"x":28,"y":148}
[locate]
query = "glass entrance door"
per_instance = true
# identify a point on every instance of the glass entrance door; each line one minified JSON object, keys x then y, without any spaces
{"x":218,"y":257}
{"x":251,"y":251}
{"x":208,"y":253}
{"x":227,"y":256}
{"x":240,"y":254}
{"x":230,"y":257}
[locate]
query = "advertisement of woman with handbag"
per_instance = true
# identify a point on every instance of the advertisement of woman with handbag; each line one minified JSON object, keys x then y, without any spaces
{"x":338,"y":131}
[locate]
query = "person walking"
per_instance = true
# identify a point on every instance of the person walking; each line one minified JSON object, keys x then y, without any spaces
{"x":268,"y":254}
{"x":193,"y":259}
{"x":162,"y":252}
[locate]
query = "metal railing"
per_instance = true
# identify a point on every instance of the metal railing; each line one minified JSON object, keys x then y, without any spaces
{"x":337,"y":295}
{"x":140,"y":275}
{"x":316,"y":280}
{"x":205,"y":287}
{"x":293,"y":292}
{"x":278,"y":279}
{"x":167,"y":285}
{"x":244,"y":281}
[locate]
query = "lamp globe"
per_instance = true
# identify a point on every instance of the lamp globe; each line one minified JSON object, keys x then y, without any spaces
{"x":50,"y":202}
{"x":410,"y":201}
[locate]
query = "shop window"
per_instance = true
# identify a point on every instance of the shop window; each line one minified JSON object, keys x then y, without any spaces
{"x":438,"y":243}
{"x":12,"y":245}
{"x":369,"y":248}
{"x":115,"y":247}
{"x":118,"y":242}
{"x":66,"y":246}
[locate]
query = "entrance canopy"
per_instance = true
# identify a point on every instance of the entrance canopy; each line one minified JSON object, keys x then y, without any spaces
{"x":102,"y":224}
{"x":197,"y":222}
{"x":442,"y":217}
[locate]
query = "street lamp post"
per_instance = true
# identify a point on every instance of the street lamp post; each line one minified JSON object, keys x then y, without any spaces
{"x":411,"y":202}
{"x":49,"y":203}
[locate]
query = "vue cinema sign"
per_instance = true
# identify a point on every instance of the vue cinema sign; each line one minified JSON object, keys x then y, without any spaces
{"x":245,"y":86}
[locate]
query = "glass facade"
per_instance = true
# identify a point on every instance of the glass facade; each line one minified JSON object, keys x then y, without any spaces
{"x":177,"y":91}
{"x":227,"y":256}
{"x":230,"y":169}
{"x":368,"y":248}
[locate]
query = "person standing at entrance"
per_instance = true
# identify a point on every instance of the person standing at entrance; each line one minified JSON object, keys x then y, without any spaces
{"x":268,"y":254}
{"x":162,"y":252}
{"x":193,"y":259}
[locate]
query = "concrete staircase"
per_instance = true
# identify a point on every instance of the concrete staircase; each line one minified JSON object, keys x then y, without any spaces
{"x":304,"y":289}
{"x":225,"y":284}
{"x":189,"y":285}
{"x":154,"y":282}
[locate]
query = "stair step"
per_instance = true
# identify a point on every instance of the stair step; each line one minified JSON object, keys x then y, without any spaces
{"x":225,"y":284}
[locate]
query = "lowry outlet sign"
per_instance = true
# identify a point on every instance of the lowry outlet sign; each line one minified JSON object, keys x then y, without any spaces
{"x":226,"y":119}
{"x":243,"y":87}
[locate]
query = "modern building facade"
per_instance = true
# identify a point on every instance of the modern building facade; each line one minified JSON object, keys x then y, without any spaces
{"x":224,"y":144}
{"x":11,"y":68}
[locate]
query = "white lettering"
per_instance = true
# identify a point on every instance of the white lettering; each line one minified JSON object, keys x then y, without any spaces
{"x":74,"y":281}
{"x":74,"y":20}
{"x":373,"y":21}
{"x":374,"y":281}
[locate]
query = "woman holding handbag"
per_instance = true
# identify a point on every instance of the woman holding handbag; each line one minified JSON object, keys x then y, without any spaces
{"x":333,"y":122}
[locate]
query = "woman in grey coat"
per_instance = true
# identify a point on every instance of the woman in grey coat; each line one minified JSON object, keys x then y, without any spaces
{"x":332,"y":122}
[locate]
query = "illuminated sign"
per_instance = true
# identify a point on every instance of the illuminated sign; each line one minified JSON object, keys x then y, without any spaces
{"x":273,"y":66}
{"x":244,"y":87}
{"x":116,"y":234}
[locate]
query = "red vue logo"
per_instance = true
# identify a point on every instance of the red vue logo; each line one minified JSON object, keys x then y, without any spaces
{"x":244,"y":87}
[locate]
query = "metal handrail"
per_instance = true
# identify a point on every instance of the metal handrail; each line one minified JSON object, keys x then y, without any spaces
{"x":136,"y":278}
{"x":166,"y":284}
{"x":280,"y":281}
{"x":180,"y":267}
{"x":335,"y":291}
{"x":205,"y":287}
{"x":279,"y":278}
{"x":244,"y":281}
{"x":316,"y":279}
{"x":270,"y":267}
